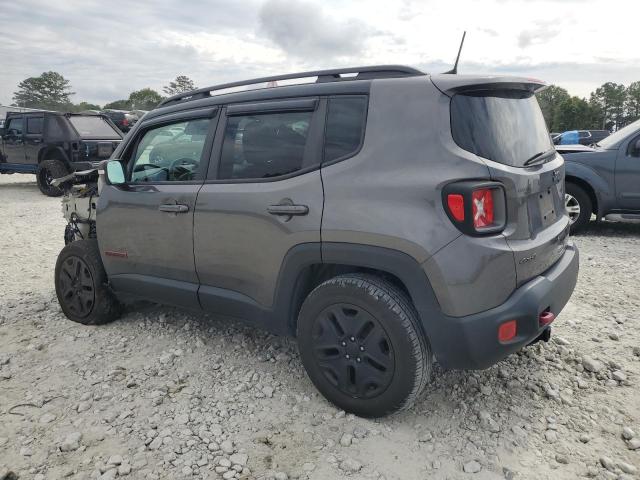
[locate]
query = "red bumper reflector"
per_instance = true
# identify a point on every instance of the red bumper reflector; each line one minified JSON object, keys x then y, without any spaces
{"x":546,"y":318}
{"x":507,"y":331}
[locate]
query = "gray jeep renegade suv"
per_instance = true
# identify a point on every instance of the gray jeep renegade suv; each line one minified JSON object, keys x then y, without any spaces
{"x":385,"y":217}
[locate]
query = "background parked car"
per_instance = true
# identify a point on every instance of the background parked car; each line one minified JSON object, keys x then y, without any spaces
{"x":579,"y":137}
{"x":52,"y":144}
{"x":124,"y":120}
{"x":604,"y":179}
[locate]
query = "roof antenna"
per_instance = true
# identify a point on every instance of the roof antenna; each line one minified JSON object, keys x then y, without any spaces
{"x":454,"y":70}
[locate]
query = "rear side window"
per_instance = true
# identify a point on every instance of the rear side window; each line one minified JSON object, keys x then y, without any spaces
{"x":264,"y":145}
{"x":93,"y":127}
{"x":34,"y":125}
{"x":54,"y":127}
{"x":345,"y":126}
{"x":503,"y":126}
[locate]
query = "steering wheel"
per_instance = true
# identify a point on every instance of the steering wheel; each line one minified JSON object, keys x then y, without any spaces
{"x":179,"y":167}
{"x":143,"y":167}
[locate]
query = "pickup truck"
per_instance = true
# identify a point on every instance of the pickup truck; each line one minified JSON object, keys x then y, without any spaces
{"x":52,"y":144}
{"x":603,"y":179}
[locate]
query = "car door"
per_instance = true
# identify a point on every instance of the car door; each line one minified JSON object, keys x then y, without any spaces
{"x":33,"y":137}
{"x":13,"y":140}
{"x":263,"y":197}
{"x":628,"y":174}
{"x":145,"y":227}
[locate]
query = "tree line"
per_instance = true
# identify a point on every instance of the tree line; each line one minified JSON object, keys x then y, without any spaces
{"x":51,"y":91}
{"x":610,"y":107}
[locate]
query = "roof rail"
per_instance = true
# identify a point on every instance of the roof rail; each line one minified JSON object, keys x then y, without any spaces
{"x":334,"y":75}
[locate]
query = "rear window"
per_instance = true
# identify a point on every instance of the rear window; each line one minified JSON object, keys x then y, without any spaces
{"x":503,"y":126}
{"x":93,"y":127}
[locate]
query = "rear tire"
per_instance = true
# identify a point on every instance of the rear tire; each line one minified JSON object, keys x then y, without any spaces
{"x":47,"y":171}
{"x":362,"y":346}
{"x":81,"y":285}
{"x":579,"y":207}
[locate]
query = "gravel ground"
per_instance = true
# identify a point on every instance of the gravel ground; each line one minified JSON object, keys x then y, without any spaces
{"x":164,"y":393}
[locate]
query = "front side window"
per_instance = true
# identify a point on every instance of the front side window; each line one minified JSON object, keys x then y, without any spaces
{"x":261,"y":146}
{"x":504,"y":126}
{"x":345,"y":126}
{"x":34,"y":125}
{"x":15,"y":126}
{"x":170,"y":153}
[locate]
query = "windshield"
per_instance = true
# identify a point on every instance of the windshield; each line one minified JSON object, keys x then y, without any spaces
{"x":612,"y":142}
{"x":505,"y":126}
{"x":93,"y":127}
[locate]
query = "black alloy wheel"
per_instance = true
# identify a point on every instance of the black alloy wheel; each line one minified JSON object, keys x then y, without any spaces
{"x":77,"y":286}
{"x":353,"y":351}
{"x":362,"y":346}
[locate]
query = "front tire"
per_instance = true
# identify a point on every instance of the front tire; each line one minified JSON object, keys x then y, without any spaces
{"x":81,"y":285}
{"x":47,"y":171}
{"x":362,"y":346}
{"x":578,"y":206}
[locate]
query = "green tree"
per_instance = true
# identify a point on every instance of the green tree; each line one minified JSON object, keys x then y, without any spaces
{"x":181,"y":84}
{"x":633,"y":102}
{"x":145,"y":99}
{"x":573,"y":113}
{"x":609,"y":100}
{"x":49,"y":91}
{"x":118,"y":105}
{"x":549,"y":99}
{"x":82,"y":106}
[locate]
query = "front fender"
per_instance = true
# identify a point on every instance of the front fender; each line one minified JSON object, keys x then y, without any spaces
{"x":51,"y":153}
{"x":601,"y":188}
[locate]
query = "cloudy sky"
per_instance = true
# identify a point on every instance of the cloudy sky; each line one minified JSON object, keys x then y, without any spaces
{"x":109,"y":48}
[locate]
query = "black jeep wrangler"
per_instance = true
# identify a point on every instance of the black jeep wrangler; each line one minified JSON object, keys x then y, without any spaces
{"x":52,"y":144}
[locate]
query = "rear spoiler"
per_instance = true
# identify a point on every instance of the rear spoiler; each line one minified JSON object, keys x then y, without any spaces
{"x":452,"y":84}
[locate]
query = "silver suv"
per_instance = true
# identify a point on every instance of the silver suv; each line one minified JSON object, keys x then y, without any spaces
{"x":385,"y":217}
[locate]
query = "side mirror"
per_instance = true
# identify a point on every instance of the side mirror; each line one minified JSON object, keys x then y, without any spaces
{"x":114,"y":173}
{"x":635,"y":150}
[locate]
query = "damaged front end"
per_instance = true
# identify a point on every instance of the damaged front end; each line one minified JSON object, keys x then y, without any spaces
{"x":81,"y":191}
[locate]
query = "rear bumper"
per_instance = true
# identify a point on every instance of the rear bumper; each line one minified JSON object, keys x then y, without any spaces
{"x":471,"y":342}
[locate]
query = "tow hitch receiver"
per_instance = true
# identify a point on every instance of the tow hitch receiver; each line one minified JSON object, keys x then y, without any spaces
{"x":546,"y":318}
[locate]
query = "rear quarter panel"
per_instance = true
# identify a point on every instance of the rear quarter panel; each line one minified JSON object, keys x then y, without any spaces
{"x":390,"y":195}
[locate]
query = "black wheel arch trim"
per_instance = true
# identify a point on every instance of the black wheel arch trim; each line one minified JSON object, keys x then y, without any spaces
{"x":53,"y":153}
{"x":392,"y":262}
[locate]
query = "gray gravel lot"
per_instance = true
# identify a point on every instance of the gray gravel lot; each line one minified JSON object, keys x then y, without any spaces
{"x":164,"y":393}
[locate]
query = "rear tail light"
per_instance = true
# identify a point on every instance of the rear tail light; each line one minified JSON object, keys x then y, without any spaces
{"x":482,"y":208}
{"x":476,"y":208}
{"x":125,"y":122}
{"x":455,"y":202}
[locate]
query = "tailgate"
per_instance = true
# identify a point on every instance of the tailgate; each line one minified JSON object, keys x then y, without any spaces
{"x":537,"y":225}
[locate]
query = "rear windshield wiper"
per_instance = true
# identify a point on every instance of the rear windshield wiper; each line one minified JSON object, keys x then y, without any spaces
{"x":539,"y":156}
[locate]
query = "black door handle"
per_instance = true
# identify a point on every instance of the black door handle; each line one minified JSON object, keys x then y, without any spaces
{"x":174,"y":208}
{"x":288,"y":210}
